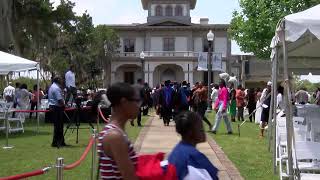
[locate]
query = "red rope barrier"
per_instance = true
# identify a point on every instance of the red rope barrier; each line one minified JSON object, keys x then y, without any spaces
{"x":25,"y":175}
{"x":83,"y":156}
{"x":27,"y":111}
{"x":101,"y":114}
{"x":67,"y":109}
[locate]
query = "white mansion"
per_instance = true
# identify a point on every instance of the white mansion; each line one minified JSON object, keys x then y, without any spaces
{"x":170,"y":44}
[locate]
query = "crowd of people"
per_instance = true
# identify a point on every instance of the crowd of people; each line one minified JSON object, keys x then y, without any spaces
{"x":117,"y":158}
{"x":180,"y":103}
{"x":22,"y":98}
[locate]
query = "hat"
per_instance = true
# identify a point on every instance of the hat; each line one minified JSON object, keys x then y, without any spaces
{"x":224,"y":75}
{"x":233,"y":79}
{"x":269,"y":83}
{"x":10,"y":83}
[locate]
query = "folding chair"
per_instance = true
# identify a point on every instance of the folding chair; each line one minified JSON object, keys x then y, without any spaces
{"x":15,"y":124}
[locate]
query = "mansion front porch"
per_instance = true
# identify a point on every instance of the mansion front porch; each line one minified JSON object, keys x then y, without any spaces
{"x":158,"y":67}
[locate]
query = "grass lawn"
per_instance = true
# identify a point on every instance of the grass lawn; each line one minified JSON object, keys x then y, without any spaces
{"x":249,"y":153}
{"x":33,"y":151}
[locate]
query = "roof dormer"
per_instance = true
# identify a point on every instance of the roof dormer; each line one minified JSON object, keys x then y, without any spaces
{"x":169,"y":9}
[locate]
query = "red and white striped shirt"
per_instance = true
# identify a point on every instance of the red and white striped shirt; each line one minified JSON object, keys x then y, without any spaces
{"x":107,"y":166}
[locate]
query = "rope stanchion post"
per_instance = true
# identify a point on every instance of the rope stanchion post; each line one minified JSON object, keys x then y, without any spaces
{"x":98,"y":118}
{"x":6,"y":114}
{"x":59,"y":166}
{"x":94,"y":154}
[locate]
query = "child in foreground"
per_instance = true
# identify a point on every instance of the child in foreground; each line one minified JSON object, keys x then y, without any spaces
{"x":189,"y":162}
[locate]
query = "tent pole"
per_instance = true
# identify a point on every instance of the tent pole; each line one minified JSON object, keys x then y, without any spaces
{"x":287,"y":103}
{"x":274,"y":113}
{"x":272,"y":106}
{"x":38,"y":98}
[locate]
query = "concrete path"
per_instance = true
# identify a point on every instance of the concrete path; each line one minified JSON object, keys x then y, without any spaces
{"x":155,"y":137}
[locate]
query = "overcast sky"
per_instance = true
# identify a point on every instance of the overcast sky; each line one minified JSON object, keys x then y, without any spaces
{"x":131,"y":11}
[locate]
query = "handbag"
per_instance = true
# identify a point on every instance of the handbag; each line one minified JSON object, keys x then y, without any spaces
{"x":149,"y":168}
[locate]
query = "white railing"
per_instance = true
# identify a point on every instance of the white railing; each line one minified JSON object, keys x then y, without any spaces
{"x":161,"y":54}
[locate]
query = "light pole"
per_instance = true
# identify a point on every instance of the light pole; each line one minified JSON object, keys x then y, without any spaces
{"x":210,"y":37}
{"x":142,"y":56}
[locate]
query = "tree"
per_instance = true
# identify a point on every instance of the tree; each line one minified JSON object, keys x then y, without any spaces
{"x":105,"y":44}
{"x":57,"y":37}
{"x":253,"y":27}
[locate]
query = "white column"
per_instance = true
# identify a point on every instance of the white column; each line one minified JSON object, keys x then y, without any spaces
{"x":145,"y":76}
{"x":188,"y":76}
{"x":113,"y":77}
{"x":150,"y":80}
{"x":191,"y":78}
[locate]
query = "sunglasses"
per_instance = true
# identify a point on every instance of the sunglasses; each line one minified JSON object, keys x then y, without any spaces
{"x":134,"y":99}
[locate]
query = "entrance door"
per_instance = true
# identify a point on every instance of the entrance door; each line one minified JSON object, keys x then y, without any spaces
{"x":129,"y":77}
{"x":168,"y":74}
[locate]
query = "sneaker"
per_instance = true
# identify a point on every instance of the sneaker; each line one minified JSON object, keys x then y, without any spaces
{"x":230,"y":132}
{"x":214,"y":132}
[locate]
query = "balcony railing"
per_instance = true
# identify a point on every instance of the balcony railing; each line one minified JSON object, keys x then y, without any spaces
{"x":161,"y":54}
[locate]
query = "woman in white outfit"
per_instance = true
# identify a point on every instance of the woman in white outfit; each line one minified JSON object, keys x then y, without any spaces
{"x":258,"y":107}
{"x":23,"y":100}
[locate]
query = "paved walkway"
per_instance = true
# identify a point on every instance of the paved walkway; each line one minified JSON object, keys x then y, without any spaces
{"x":155,"y":137}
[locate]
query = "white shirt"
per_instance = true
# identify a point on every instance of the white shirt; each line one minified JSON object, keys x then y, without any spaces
{"x":280,"y":103}
{"x":70,"y":79}
{"x":24,"y":98}
{"x":263,"y":95}
{"x":214,"y":95}
{"x":9,"y":91}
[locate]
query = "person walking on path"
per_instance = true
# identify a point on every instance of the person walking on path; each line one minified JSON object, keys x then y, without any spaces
{"x":166,"y":102}
{"x":265,"y":109}
{"x":183,"y":97}
{"x":214,"y":94}
{"x":240,"y":96}
{"x":190,"y":163}
{"x":251,"y":98}
{"x":71,"y":84}
{"x":140,"y":86}
{"x":200,"y":99}
{"x":232,"y":109}
{"x":220,"y":107}
{"x":117,"y":158}
{"x":56,"y":106}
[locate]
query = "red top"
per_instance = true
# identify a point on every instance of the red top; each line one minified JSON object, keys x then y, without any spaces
{"x":108,"y":167}
{"x":35,"y":95}
{"x":240,"y":95}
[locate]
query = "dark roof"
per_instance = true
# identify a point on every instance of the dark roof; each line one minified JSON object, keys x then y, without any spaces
{"x":161,"y":25}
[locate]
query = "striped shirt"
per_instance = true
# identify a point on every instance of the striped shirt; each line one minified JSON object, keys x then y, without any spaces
{"x":107,"y":166}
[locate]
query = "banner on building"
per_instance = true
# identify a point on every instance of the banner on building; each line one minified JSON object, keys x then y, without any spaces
{"x":217,"y":62}
{"x":203,"y":61}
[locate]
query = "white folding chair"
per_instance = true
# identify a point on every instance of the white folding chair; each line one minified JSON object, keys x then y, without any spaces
{"x":15,"y":124}
{"x":3,"y":112}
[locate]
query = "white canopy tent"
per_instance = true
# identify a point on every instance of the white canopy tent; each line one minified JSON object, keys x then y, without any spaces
{"x":11,"y":63}
{"x":298,"y":37}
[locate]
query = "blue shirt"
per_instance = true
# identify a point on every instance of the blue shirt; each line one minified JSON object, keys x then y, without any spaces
{"x":54,"y":95}
{"x":185,"y":155}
